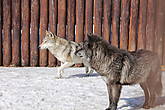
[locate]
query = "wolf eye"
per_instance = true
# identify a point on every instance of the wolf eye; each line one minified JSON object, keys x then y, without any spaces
{"x":79,"y":54}
{"x":45,"y":41}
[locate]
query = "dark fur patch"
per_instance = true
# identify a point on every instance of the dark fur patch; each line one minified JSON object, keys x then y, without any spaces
{"x":122,"y":67}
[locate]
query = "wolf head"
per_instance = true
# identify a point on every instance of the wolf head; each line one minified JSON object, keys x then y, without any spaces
{"x":85,"y":48}
{"x":48,"y":41}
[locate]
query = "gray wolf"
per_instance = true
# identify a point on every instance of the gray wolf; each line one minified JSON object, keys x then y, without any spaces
{"x":63,"y":50}
{"x":121,"y":67}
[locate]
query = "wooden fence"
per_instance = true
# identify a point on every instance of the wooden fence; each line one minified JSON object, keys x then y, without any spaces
{"x":128,"y":24}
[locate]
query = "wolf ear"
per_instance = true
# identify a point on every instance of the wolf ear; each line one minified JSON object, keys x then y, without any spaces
{"x":93,"y":38}
{"x":89,"y":36}
{"x":51,"y":35}
{"x":47,"y":32}
{"x":55,"y":36}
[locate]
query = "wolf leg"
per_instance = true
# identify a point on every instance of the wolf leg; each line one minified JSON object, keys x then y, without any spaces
{"x":88,"y":70}
{"x":146,"y":93}
{"x":114,"y":91}
{"x":62,"y":67}
{"x":155,"y":85}
{"x":153,"y":98}
{"x":151,"y":86}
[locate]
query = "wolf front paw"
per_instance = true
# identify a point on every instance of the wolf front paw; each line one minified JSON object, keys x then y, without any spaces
{"x":111,"y":108}
{"x":60,"y":72}
{"x":58,"y":77}
{"x":108,"y":109}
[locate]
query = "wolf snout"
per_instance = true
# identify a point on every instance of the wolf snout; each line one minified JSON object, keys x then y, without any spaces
{"x":40,"y":47}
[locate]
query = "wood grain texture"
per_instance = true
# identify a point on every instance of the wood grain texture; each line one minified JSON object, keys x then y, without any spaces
{"x":150,"y":28}
{"x":7,"y":53}
{"x":25,"y":21}
{"x":115,"y":22}
{"x":1,"y":53}
{"x":142,"y":24}
{"x":53,"y":27}
{"x":98,"y":12}
{"x":16,"y":35}
{"x":133,"y":25}
{"x":124,"y":23}
{"x":127,"y":24}
{"x":61,"y":18}
{"x":159,"y":29}
{"x":43,"y":61}
{"x":107,"y":4}
{"x":80,"y":20}
{"x":89,"y":17}
{"x":34,"y":37}
{"x":71,"y":19}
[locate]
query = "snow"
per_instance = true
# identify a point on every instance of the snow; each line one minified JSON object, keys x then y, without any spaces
{"x":36,"y":88}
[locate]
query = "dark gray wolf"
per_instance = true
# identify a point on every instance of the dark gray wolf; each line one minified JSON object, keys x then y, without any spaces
{"x":120,"y":67}
{"x":63,"y":50}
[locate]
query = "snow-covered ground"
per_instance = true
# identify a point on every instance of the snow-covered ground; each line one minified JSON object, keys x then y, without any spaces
{"x":38,"y":89}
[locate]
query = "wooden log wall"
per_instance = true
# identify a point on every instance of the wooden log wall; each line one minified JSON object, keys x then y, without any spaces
{"x":52,"y":61}
{"x":43,"y":61}
{"x":1,"y":10}
{"x":25,"y":40}
{"x":16,"y":34}
{"x":127,"y":24}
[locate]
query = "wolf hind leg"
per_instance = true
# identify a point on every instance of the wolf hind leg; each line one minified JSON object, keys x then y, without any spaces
{"x":152,"y":97}
{"x":62,"y":67}
{"x":155,"y":87}
{"x":158,"y":84}
{"x":146,"y":93}
{"x":151,"y":87}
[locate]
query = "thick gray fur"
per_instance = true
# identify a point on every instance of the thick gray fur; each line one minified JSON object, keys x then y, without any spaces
{"x":121,"y":67}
